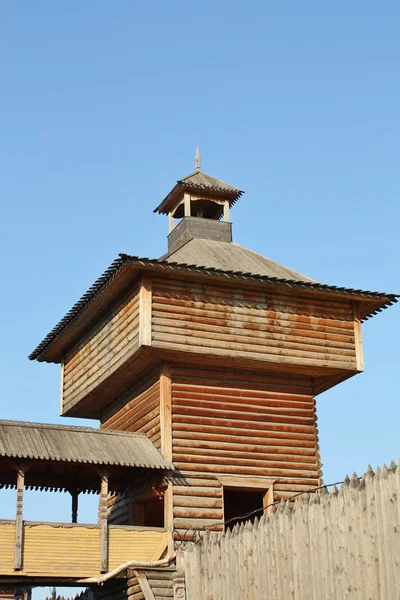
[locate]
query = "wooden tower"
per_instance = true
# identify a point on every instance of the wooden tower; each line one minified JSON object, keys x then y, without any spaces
{"x":215,"y":353}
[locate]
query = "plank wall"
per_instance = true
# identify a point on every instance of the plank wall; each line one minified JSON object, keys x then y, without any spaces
{"x":238,"y":424}
{"x":101,"y":350}
{"x":266,"y":325}
{"x":138,"y":409}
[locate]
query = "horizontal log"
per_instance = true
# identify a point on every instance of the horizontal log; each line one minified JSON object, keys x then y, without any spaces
{"x":265,"y":462}
{"x":109,"y":334}
{"x":244,"y":470}
{"x":247,"y":413}
{"x":191,"y":523}
{"x":199,"y":502}
{"x":124,"y":308}
{"x":137,"y":403}
{"x":301,"y":313}
{"x":276,"y":303}
{"x":270,"y":336}
{"x":256,"y":323}
{"x":236,"y":445}
{"x":187,"y":513}
{"x":271,"y":425}
{"x":205,"y":491}
{"x":267,"y":431}
{"x":307,"y":364}
{"x":243,"y":454}
{"x":134,"y":414}
{"x":85,"y":376}
{"x":213,"y":396}
{"x":310,"y":355}
{"x":101,"y":372}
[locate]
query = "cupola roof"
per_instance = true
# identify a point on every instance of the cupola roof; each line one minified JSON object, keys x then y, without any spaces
{"x":197,"y":182}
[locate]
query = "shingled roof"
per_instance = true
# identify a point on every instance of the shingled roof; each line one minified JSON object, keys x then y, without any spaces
{"x":229,"y":256}
{"x":198,"y":181}
{"x":85,"y":445}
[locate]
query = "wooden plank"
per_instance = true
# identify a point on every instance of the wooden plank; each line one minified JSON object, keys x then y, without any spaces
{"x":236,"y":481}
{"x":166,"y":445}
{"x":144,"y":585}
{"x":145,"y":300}
{"x":358,"y":337}
{"x":61,"y":388}
{"x":19,"y":521}
{"x":166,"y":412}
{"x":186,"y":202}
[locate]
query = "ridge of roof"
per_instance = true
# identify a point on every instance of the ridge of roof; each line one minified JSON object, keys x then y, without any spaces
{"x":126,"y":260}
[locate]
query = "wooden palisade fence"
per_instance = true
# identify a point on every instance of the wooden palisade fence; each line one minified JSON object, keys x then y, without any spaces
{"x":342,"y":544}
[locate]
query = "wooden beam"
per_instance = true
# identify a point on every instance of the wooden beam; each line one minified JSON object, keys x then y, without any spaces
{"x":145,"y":299}
{"x":166,"y":447}
{"x":103,"y":524}
{"x":186,"y":201}
{"x":62,"y":389}
{"x":358,"y":336}
{"x":171,"y":222}
{"x":246,"y":483}
{"x":74,"y":515}
{"x":19,"y":521}
{"x":144,"y":585}
{"x":166,"y":412}
{"x":226,"y":210}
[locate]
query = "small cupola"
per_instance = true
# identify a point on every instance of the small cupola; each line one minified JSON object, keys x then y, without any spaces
{"x":202,"y":204}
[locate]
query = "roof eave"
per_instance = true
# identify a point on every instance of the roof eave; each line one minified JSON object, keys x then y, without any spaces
{"x":136,"y":264}
{"x":170,"y":200}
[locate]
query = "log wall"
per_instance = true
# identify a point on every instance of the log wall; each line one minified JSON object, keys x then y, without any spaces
{"x":101,"y":350}
{"x":264,"y":325}
{"x":345,"y":544}
{"x":138,"y":410}
{"x":231,"y":423}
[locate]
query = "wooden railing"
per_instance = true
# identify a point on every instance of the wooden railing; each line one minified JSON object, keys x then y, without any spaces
{"x":74,"y":550}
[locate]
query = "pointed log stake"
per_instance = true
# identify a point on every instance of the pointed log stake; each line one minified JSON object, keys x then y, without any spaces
{"x":103,"y":524}
{"x":19,"y":521}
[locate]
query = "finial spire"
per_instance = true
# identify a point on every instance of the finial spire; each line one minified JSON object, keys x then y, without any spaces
{"x":197,"y":159}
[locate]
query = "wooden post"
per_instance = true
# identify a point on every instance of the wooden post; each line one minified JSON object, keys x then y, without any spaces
{"x":358,"y":336}
{"x":19,"y":521}
{"x":74,"y":494}
{"x":186,"y":200}
{"x":62,"y":389}
{"x":166,"y":447}
{"x":171,"y":222}
{"x":226,"y":210}
{"x":145,"y":299}
{"x":103,"y":524}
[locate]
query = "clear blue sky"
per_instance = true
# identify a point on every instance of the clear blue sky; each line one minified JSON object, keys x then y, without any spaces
{"x":101,"y":107}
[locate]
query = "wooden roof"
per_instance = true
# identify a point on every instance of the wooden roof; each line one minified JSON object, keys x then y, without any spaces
{"x":229,"y":256}
{"x":198,"y":181}
{"x":42,"y":441}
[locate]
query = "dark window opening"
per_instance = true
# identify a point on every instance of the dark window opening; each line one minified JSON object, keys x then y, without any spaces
{"x":241,"y":502}
{"x":148,"y":513}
